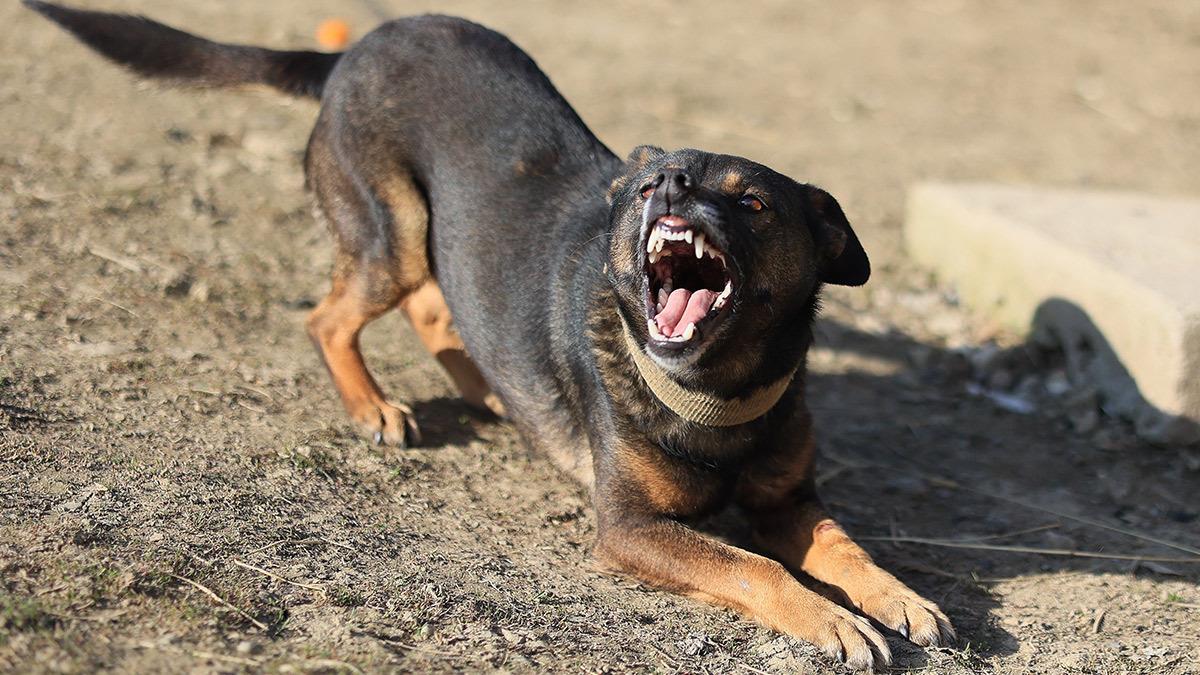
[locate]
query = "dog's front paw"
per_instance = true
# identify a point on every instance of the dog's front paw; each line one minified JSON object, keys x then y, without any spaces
{"x":843,"y":636}
{"x":909,"y":614}
{"x":388,"y":423}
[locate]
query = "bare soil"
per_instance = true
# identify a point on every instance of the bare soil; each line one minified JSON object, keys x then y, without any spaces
{"x":168,"y":437}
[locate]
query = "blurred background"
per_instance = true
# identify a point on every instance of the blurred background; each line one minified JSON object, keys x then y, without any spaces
{"x":162,"y":414}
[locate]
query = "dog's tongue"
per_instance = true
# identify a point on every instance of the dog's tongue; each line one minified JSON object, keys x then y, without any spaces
{"x":683,"y":307}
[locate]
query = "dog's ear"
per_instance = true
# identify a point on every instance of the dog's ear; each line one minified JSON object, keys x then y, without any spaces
{"x":841,"y":257}
{"x":637,"y":160}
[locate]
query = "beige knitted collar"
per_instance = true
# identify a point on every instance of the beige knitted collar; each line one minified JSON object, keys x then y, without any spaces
{"x":698,"y":406}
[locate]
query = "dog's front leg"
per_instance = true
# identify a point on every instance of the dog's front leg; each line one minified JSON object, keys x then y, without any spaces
{"x":800,"y":533}
{"x":667,"y":553}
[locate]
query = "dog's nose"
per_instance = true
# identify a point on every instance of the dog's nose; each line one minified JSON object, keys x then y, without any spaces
{"x":674,"y":184}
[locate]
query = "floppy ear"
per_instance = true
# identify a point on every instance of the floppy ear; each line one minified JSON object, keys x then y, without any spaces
{"x":637,"y":160}
{"x":842,"y":258}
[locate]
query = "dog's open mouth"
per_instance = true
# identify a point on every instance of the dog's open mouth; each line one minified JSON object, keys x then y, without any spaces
{"x":688,"y":283}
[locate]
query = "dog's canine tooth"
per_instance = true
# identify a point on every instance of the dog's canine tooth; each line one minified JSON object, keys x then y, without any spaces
{"x":652,"y":256}
{"x":652,"y":240}
{"x":689,"y":332}
{"x":699,"y":244}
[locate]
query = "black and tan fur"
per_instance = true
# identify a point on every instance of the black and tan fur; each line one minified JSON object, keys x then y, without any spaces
{"x":457,"y":181}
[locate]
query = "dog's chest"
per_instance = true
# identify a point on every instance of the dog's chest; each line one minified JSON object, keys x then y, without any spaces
{"x":676,"y":486}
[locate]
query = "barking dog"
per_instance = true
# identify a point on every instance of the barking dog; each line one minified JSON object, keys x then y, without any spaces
{"x":643,"y":322}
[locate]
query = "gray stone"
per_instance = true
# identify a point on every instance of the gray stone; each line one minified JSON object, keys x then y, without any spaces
{"x":1112,"y":279}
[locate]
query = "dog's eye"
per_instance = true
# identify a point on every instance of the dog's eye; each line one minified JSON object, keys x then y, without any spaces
{"x":752,"y":203}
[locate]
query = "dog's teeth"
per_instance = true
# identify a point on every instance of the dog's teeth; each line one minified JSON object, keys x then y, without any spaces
{"x":689,"y":332}
{"x":652,"y":256}
{"x":728,"y":289}
{"x":651,"y":239}
{"x":699,"y":244}
{"x":687,"y":235}
{"x":658,"y":245}
{"x":662,"y":298}
{"x":667,"y":285}
{"x":652,"y":328}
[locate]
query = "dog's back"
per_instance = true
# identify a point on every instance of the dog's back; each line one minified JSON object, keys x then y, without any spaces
{"x":443,"y":156}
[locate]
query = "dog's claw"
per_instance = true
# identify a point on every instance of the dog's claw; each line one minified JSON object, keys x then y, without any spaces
{"x":910,"y":615}
{"x":387,"y":423}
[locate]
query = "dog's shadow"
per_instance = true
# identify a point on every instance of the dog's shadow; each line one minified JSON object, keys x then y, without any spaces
{"x":921,"y":473}
{"x":449,"y":421}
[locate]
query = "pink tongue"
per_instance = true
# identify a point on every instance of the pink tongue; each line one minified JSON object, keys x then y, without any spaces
{"x":669,"y":316}
{"x":684,"y":307}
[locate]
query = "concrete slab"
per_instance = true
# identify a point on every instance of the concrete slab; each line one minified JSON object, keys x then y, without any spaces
{"x":1127,"y":264}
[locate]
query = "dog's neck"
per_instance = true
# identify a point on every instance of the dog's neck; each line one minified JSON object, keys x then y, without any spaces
{"x":698,"y":406}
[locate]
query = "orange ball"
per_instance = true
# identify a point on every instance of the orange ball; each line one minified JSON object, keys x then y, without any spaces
{"x":333,"y":34}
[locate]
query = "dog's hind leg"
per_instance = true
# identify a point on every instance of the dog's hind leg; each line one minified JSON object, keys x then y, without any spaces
{"x":380,"y":233}
{"x":430,"y":316}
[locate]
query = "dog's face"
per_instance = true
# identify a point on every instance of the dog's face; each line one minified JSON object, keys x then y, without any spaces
{"x":709,"y":251}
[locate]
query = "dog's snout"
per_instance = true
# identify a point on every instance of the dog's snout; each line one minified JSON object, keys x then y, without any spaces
{"x":674,"y":183}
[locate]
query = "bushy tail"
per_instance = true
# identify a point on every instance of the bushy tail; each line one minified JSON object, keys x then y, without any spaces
{"x":152,"y":49}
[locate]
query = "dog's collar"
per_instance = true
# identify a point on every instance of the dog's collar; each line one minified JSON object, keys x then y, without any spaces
{"x":698,"y":406}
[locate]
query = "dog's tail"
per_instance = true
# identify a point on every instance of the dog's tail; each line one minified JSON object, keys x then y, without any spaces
{"x":154,"y":50}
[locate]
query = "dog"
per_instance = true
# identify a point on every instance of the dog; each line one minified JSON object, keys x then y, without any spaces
{"x":643,"y":322}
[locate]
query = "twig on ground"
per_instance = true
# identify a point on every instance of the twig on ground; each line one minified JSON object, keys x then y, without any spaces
{"x":937,"y":571}
{"x":303,"y":542}
{"x":1098,"y":620}
{"x":251,"y":408}
{"x":955,"y":485}
{"x":1006,"y":535}
{"x":276,"y":577}
{"x":415,"y":648}
{"x":199,"y":653}
{"x":208,"y":591}
{"x":332,"y":663}
{"x":202,"y":654}
{"x":256,"y":390}
{"x":119,"y":260}
{"x":671,"y":661}
{"x":339,"y":544}
{"x":951,"y":543}
{"x":123,"y":308}
{"x":1079,"y":519}
{"x":48,"y":591}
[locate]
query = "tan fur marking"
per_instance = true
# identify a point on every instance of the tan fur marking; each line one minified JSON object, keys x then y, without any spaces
{"x":334,"y":327}
{"x":731,"y":183}
{"x":426,"y":309}
{"x":410,"y":226}
{"x":668,"y":554}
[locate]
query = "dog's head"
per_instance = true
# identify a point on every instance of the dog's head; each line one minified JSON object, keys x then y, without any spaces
{"x":717,"y":257}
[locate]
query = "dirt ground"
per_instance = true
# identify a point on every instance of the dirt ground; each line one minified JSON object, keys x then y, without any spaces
{"x":168,"y":435}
